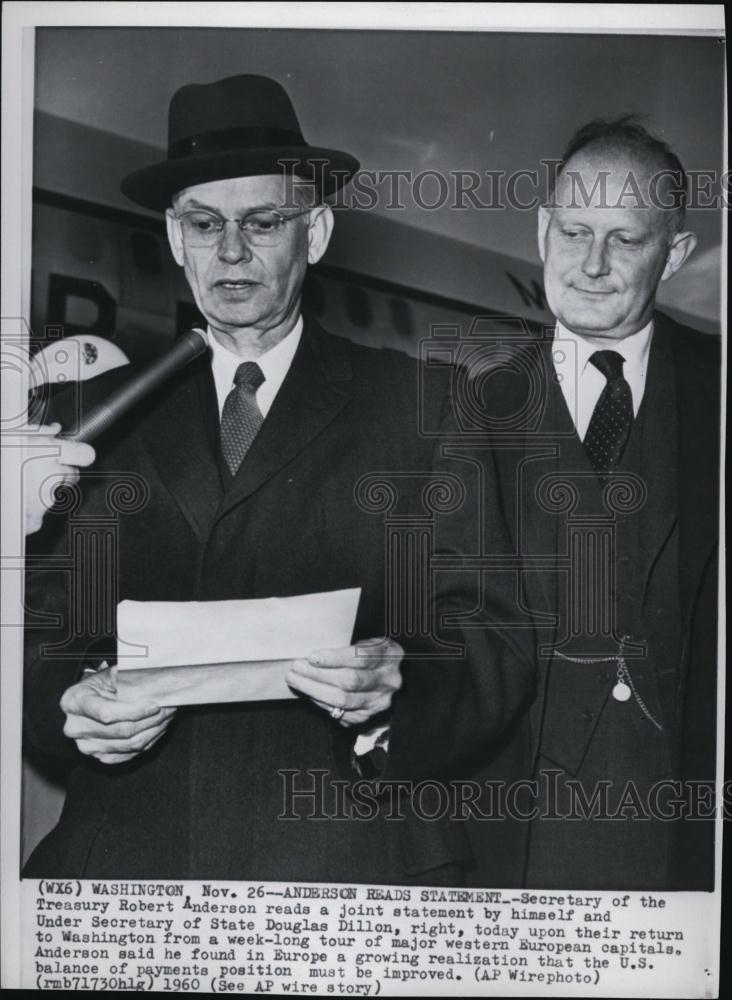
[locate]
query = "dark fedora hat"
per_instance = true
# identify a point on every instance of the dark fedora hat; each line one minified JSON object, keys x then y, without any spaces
{"x":239,"y":127}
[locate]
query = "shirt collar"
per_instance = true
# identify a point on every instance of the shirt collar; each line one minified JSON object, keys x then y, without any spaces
{"x":634,"y":349}
{"x":274,"y":363}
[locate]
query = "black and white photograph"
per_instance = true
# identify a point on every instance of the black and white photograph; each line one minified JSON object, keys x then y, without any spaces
{"x":364,"y":384}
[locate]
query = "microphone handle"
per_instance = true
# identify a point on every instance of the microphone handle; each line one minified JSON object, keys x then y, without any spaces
{"x":191,"y":345}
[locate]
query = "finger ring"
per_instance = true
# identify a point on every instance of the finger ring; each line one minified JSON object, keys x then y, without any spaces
{"x":337,"y":713}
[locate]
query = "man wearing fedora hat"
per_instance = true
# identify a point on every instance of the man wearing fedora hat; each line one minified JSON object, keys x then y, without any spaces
{"x":251,"y":459}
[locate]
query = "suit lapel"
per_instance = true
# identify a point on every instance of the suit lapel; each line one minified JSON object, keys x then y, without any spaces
{"x":180,"y":436}
{"x":659,"y":457}
{"x":538,"y":453}
{"x":543,"y":457}
{"x":314,"y":392}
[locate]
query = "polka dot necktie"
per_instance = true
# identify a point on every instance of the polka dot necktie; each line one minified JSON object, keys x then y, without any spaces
{"x":241,"y":417}
{"x":612,"y":418}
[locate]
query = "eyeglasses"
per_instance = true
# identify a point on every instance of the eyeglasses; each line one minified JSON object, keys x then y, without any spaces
{"x":261,"y":228}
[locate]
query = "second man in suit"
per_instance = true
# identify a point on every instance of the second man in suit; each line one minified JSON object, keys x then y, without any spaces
{"x":609,"y":473}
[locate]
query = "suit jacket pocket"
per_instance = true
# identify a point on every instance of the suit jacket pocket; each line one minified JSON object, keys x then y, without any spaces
{"x":574,"y":702}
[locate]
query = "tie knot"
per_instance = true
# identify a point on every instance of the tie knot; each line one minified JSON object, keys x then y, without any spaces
{"x":248,"y":376}
{"x":610,"y":363}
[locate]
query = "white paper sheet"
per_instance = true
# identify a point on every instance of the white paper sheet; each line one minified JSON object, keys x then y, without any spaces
{"x":201,"y":652}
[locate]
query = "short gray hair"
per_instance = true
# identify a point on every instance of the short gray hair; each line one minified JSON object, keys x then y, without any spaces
{"x":626,"y":134}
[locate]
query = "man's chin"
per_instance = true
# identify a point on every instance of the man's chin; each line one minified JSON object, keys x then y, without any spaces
{"x":589,"y":322}
{"x":231,"y":319}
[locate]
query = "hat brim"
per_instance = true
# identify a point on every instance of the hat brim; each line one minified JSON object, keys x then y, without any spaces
{"x":153,"y":187}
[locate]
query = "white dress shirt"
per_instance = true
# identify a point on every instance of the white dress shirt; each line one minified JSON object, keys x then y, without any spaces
{"x":275,"y":364}
{"x":582,"y":384}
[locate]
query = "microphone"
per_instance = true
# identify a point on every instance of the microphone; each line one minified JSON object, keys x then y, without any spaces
{"x":192,"y":344}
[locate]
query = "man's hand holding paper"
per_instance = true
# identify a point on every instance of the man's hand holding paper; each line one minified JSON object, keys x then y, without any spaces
{"x":353,"y":683}
{"x":207,"y":652}
{"x":108,"y":728}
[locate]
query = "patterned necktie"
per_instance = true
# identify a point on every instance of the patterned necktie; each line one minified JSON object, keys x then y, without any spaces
{"x":612,"y":418}
{"x":241,"y":417}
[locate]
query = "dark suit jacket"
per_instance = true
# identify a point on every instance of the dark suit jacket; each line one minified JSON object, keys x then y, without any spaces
{"x":683,"y":383}
{"x":205,"y":801}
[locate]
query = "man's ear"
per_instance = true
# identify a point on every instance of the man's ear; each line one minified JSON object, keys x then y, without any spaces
{"x":544,"y":218}
{"x":319,"y":231}
{"x":175,"y":239}
{"x":680,"y":250}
